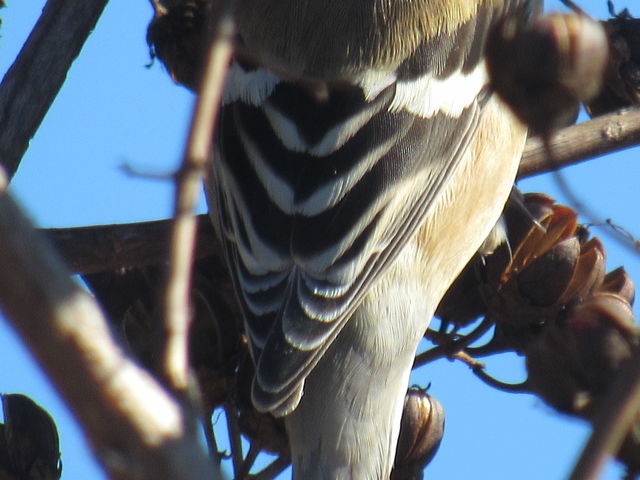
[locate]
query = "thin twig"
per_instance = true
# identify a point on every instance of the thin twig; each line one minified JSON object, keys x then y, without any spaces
{"x":522,"y":387}
{"x":274,"y":469}
{"x":249,"y":460}
{"x":616,"y":414}
{"x":580,"y":206}
{"x":33,"y":81}
{"x":146,"y":174}
{"x":183,"y":233}
{"x":447,"y":349}
{"x":572,"y":6}
{"x":468,"y":360}
{"x":235,"y":438}
{"x":210,"y":436}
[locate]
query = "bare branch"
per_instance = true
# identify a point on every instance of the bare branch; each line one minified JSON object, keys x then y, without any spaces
{"x":33,"y":81}
{"x":136,"y":429}
{"x":183,"y":232}
{"x":104,"y":248}
{"x":599,"y":136}
{"x":112,"y":247}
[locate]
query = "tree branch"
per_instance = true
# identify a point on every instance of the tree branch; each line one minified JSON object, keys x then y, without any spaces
{"x":33,"y":81}
{"x":136,"y":429}
{"x":104,"y":248}
{"x":581,"y":142}
{"x":112,"y":247}
{"x":183,"y":232}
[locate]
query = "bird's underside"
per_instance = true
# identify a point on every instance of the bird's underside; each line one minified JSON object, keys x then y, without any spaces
{"x":347,"y":204}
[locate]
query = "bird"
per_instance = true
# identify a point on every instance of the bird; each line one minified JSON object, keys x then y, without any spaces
{"x":360,"y":159}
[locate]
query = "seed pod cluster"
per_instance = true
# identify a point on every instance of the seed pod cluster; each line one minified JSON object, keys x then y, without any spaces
{"x":550,"y":300}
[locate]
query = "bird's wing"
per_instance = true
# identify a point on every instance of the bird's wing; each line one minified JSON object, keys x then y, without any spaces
{"x":319,"y":184}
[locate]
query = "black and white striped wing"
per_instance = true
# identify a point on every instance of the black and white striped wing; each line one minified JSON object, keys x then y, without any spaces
{"x":319,"y":185}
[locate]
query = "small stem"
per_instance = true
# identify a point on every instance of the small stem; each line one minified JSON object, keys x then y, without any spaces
{"x":447,"y":349}
{"x":249,"y":460}
{"x":210,"y":436}
{"x":235,"y":439}
{"x":274,"y":469}
{"x":522,"y":387}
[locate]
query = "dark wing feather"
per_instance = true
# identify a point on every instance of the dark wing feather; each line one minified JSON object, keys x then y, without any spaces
{"x":308,"y":182}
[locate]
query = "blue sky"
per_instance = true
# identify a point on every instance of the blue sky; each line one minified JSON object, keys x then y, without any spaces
{"x":113,"y":110}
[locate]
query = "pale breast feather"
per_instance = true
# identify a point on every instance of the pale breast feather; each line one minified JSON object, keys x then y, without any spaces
{"x":317,"y":193}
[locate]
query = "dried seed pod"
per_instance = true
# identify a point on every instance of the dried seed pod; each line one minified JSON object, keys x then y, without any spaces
{"x":588,"y":274}
{"x":177,"y":36}
{"x":545,"y":69}
{"x":602,"y":334}
{"x":545,"y":278}
{"x":619,"y":282}
{"x":521,"y":212}
{"x":526,"y":294}
{"x":421,"y":432}
{"x":556,"y":226}
{"x":622,"y":78}
{"x":573,"y":363}
{"x":551,"y":373}
{"x":30,"y":439}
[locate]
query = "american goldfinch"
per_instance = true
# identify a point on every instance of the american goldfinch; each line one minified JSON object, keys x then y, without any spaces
{"x":360,"y":161}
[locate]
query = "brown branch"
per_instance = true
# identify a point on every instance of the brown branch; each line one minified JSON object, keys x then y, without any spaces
{"x":136,"y":428}
{"x":599,"y":136}
{"x":33,"y":81}
{"x":447,"y":345}
{"x":112,"y":247}
{"x":104,"y":248}
{"x":183,"y":233}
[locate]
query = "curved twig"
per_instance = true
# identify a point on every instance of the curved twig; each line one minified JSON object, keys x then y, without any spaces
{"x":522,"y":387}
{"x":450,"y":348}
